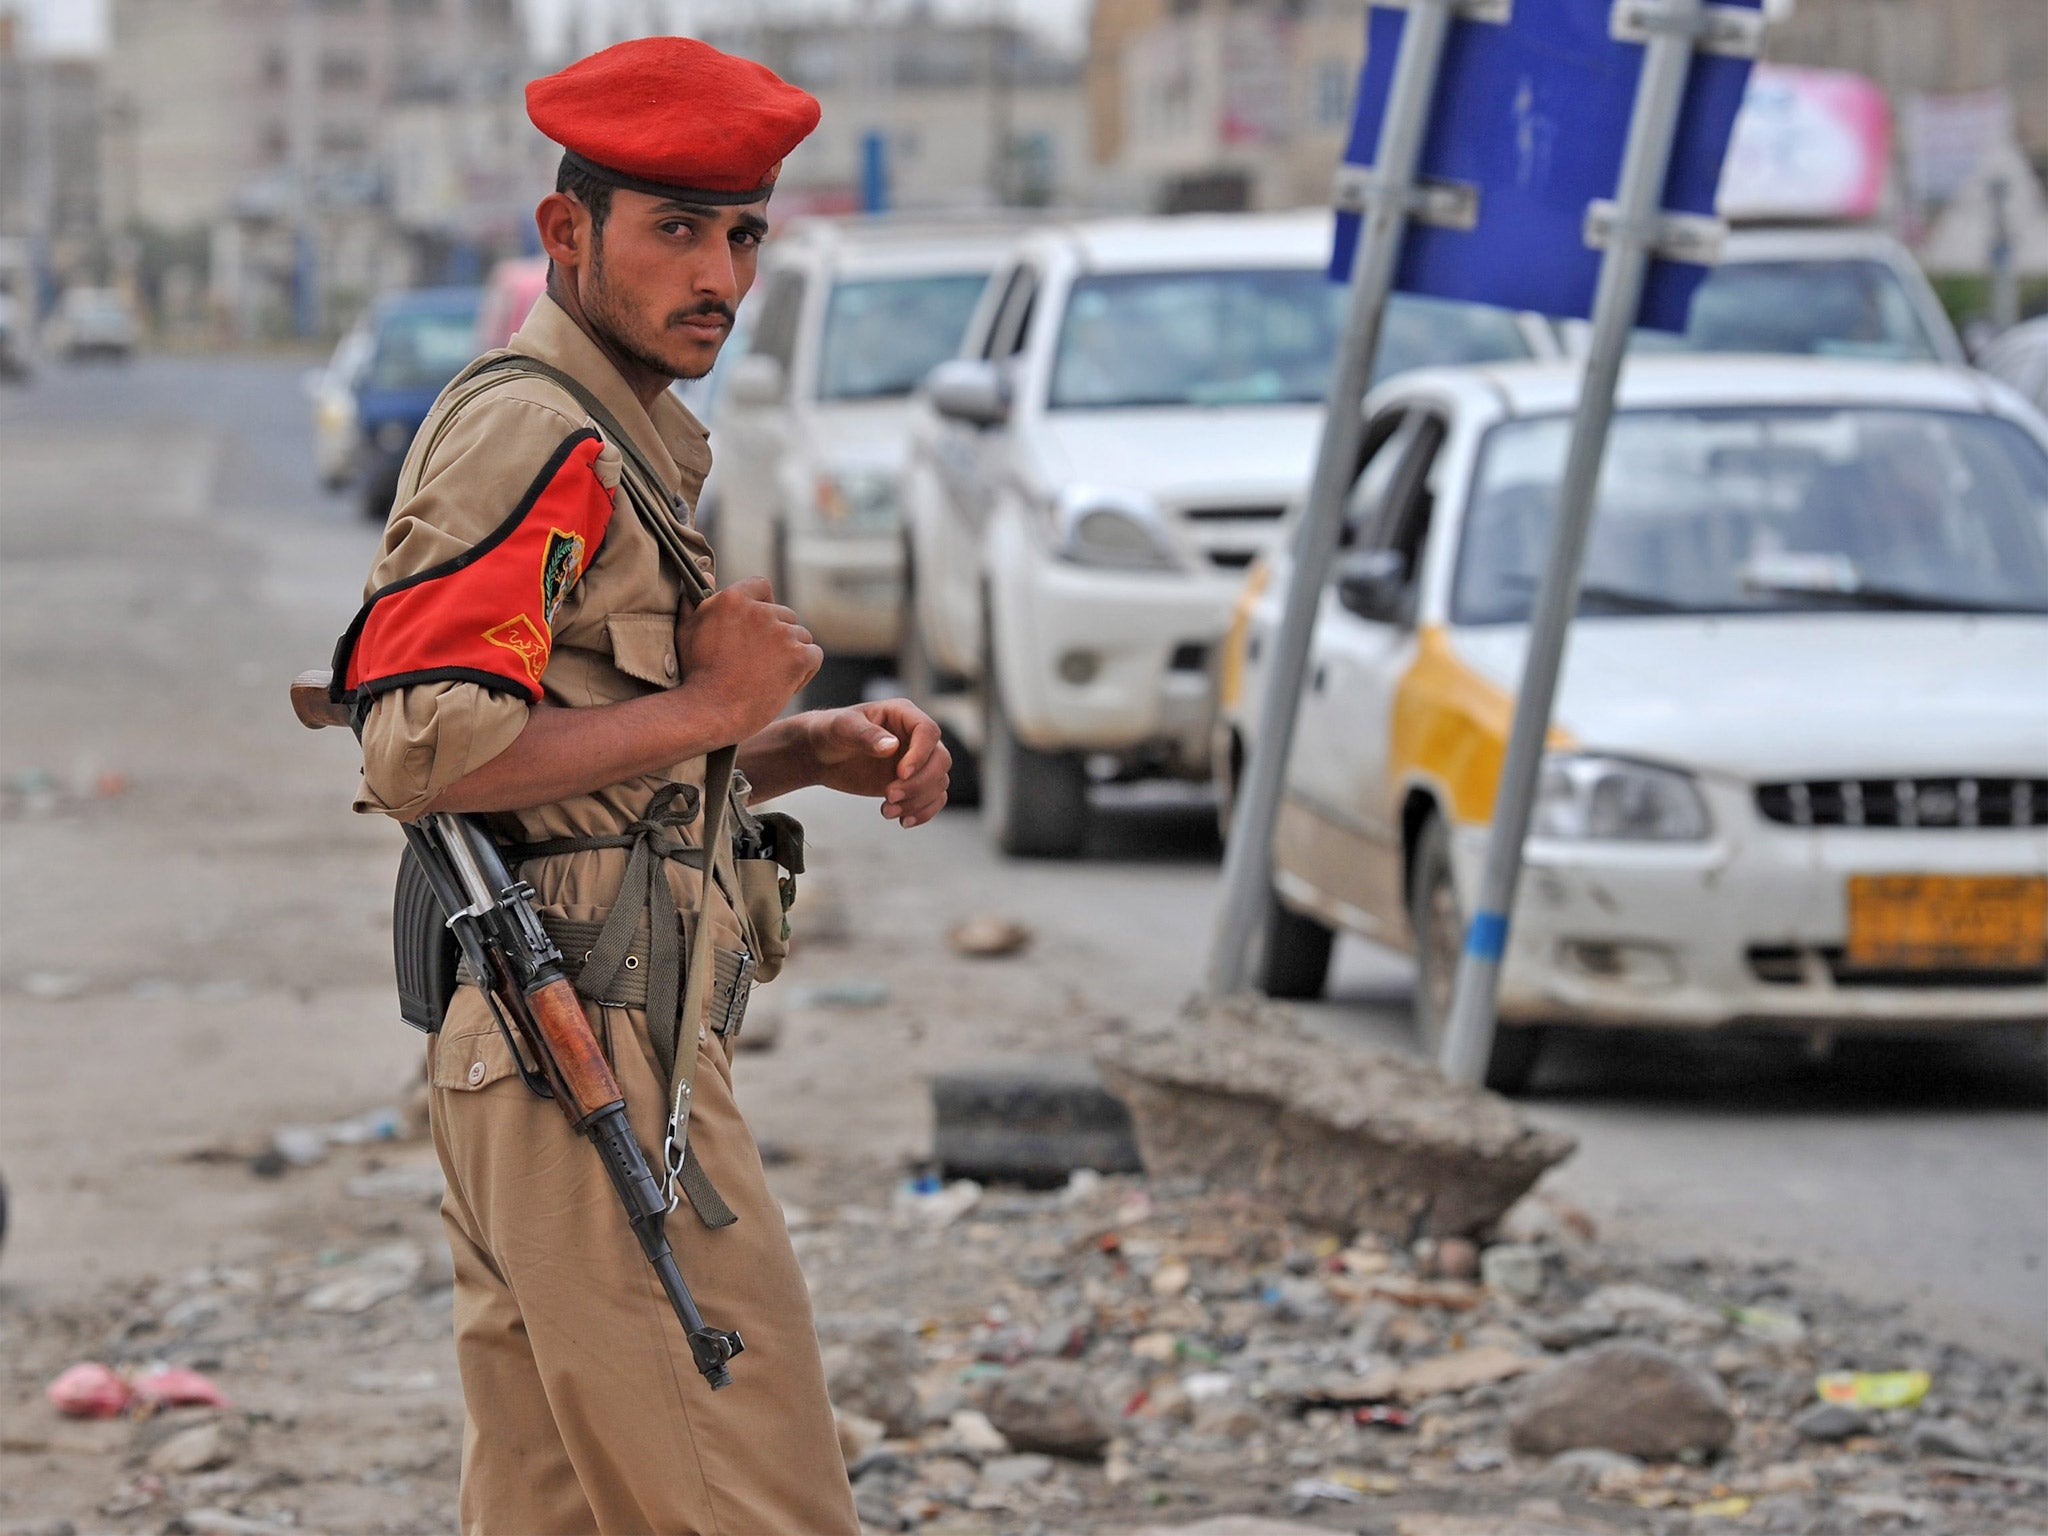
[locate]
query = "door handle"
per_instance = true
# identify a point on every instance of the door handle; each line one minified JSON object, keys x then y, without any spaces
{"x":1319,"y":678}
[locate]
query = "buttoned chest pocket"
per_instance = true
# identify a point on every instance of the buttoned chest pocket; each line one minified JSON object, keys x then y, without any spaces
{"x":643,"y":647}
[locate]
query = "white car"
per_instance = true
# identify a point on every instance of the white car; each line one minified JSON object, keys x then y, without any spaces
{"x":848,"y":318}
{"x":332,"y":389}
{"x":94,"y":322}
{"x":1799,"y":769}
{"x":1814,"y":292}
{"x":2020,"y":358}
{"x":1137,"y":403}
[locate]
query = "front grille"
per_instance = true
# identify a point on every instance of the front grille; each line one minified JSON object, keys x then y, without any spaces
{"x":1232,"y":514}
{"x":1913,"y":803}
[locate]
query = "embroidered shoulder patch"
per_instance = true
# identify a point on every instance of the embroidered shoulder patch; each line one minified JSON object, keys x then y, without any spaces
{"x":561,"y":567}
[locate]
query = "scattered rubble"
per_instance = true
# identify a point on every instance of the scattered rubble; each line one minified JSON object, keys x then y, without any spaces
{"x":1239,"y":1095}
{"x":1112,"y":1356}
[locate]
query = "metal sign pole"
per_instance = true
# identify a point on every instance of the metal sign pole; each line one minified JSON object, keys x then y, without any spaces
{"x":1633,"y":228}
{"x":1388,"y":193}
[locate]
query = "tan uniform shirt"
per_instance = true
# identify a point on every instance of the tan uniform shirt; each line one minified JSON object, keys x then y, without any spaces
{"x":614,"y":634}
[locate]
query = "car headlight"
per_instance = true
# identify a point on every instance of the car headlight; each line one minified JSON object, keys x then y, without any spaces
{"x":394,"y":437}
{"x":1115,"y":530}
{"x":856,"y":501}
{"x":1613,"y":800}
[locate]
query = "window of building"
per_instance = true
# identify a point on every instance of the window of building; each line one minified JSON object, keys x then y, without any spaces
{"x":344,"y":139}
{"x":343,"y":71}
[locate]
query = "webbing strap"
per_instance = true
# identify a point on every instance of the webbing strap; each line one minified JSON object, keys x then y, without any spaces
{"x":673,"y":1030}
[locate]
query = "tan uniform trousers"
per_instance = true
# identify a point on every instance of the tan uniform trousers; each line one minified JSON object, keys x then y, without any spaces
{"x":585,"y":1411}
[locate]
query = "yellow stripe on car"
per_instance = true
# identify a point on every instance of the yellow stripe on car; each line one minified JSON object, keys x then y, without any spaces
{"x":1230,"y":668}
{"x":1450,"y":730}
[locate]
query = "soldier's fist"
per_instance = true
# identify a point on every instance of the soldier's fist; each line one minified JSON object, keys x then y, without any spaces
{"x":743,"y":656}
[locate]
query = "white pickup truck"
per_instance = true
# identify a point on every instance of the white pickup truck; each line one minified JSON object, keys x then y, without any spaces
{"x":1136,"y":404}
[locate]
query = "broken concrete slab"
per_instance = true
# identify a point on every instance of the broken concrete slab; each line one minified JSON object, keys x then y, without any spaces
{"x":1236,"y":1094}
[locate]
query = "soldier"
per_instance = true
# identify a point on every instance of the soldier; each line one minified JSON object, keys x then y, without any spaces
{"x":538,"y":657}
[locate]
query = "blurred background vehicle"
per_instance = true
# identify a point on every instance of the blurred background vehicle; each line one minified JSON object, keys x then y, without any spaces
{"x":419,"y":341}
{"x":1813,"y":292}
{"x":14,"y":362}
{"x":1789,"y":558}
{"x":848,"y":318}
{"x":2020,"y":358}
{"x":332,"y":389}
{"x":1136,"y":404}
{"x":509,"y":295}
{"x":93,"y":323}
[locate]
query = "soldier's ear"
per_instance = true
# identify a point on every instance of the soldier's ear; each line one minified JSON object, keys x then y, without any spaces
{"x":564,"y":226}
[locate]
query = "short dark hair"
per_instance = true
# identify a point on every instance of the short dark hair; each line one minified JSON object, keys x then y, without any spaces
{"x":589,"y":191}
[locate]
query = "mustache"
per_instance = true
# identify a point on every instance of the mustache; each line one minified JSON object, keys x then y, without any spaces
{"x":708,"y":308}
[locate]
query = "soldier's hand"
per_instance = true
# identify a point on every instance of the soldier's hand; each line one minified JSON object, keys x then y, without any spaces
{"x":743,"y":656}
{"x":889,"y":749}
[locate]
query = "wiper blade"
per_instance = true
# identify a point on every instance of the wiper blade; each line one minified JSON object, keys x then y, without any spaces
{"x":1624,"y":599}
{"x":1893,"y":599}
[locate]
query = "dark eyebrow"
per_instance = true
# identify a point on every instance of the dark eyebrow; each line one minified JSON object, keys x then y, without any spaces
{"x":751,"y":223}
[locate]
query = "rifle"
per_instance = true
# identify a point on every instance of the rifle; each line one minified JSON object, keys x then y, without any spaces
{"x":494,"y":920}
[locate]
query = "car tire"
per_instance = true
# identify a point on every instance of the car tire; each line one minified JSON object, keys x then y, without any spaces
{"x":1291,"y":959}
{"x":380,"y":491}
{"x":1439,"y":927}
{"x":841,"y":682}
{"x":1034,"y":804}
{"x":921,"y":680}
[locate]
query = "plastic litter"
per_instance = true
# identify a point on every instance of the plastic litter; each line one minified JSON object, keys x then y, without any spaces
{"x":172,"y":1386}
{"x":1873,"y":1389}
{"x":89,"y":1391}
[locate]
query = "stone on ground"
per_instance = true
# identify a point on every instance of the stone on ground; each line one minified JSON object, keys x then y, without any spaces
{"x":1633,"y":1398}
{"x":1050,"y":1406}
{"x":1350,"y":1139}
{"x":871,"y":1373}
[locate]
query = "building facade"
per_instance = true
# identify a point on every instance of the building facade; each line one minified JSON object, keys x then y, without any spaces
{"x":323,"y":150}
{"x":965,"y":116}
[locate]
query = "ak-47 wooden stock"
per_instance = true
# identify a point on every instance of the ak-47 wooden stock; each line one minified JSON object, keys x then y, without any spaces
{"x":311,"y":703}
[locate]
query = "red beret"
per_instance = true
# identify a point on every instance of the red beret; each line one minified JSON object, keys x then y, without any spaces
{"x":674,"y":117}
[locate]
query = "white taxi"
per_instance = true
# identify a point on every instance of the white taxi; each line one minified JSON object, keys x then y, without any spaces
{"x":1798,"y":774}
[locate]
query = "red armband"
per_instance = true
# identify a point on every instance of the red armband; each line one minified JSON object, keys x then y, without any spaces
{"x":487,"y":615}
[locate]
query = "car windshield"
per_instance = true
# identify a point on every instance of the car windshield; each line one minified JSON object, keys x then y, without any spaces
{"x":1769,"y":511}
{"x":883,"y":335}
{"x":1847,"y":308}
{"x":1244,"y":338}
{"x":421,"y":351}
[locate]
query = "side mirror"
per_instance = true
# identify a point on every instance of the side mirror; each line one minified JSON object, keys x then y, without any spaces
{"x":757,"y":379}
{"x":1373,"y":583}
{"x":969,"y":389}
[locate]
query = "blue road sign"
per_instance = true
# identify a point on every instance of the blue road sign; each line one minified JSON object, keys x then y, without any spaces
{"x":1534,"y":114}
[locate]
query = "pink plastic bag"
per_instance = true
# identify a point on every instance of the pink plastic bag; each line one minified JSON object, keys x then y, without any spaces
{"x":89,"y":1391}
{"x":176,"y":1387}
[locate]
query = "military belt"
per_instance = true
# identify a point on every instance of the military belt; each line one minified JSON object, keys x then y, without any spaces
{"x":732,"y":977}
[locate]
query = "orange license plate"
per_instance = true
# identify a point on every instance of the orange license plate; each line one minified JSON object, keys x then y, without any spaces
{"x":1948,"y":922}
